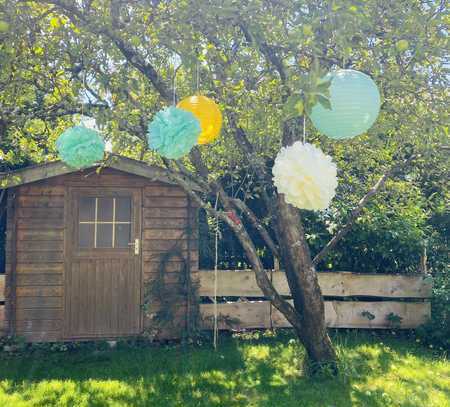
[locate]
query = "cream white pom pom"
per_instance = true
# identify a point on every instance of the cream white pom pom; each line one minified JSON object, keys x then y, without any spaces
{"x":306,"y":176}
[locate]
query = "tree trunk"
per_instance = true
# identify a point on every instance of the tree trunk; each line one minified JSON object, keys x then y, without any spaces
{"x":304,"y":286}
{"x":302,"y":279}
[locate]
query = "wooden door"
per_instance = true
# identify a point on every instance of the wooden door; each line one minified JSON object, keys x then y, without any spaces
{"x":103,"y":268}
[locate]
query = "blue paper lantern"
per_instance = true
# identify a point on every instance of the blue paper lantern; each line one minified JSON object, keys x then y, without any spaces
{"x":355,"y":105}
{"x":173,"y":132}
{"x":80,"y":147}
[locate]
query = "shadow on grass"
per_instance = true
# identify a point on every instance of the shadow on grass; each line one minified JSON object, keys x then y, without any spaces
{"x":243,"y":372}
{"x":240,"y":373}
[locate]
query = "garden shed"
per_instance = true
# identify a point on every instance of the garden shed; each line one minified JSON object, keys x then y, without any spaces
{"x":97,"y":253}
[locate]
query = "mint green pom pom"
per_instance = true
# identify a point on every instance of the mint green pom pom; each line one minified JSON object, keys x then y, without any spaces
{"x":355,"y":105}
{"x":173,"y":132}
{"x":80,"y":147}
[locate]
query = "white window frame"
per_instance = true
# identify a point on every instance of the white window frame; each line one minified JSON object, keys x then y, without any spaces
{"x":96,"y":222}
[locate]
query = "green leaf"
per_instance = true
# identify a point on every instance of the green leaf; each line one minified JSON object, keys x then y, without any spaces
{"x":4,"y":26}
{"x":55,"y":22}
{"x":293,"y":107}
{"x":324,"y":101}
{"x":324,"y":88}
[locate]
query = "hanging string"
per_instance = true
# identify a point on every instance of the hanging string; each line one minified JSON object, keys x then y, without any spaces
{"x":82,"y":104}
{"x":270,"y":302}
{"x":198,"y":78}
{"x":174,"y":100}
{"x":216,"y":261}
{"x":304,"y":129}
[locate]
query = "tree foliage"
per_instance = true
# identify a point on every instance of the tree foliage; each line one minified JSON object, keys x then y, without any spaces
{"x":120,"y":62}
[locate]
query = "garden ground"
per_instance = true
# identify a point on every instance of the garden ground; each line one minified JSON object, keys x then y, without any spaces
{"x":255,"y":369}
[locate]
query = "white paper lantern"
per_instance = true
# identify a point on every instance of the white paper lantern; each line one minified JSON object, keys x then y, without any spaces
{"x":306,"y":176}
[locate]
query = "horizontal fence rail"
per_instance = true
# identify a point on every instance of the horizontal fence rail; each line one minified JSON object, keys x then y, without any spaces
{"x":400,"y":300}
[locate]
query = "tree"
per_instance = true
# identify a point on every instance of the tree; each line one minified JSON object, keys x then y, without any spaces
{"x":261,"y":60}
{"x":39,"y":86}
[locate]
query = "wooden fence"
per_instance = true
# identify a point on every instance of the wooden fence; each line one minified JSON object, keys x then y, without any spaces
{"x":404,"y":298}
{"x":385,"y":301}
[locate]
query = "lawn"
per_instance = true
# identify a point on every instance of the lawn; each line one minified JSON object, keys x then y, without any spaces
{"x":245,"y":371}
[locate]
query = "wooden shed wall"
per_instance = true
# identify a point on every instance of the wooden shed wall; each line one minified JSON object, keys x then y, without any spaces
{"x":36,"y":249}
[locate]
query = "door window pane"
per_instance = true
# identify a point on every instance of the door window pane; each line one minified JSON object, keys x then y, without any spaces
{"x":104,"y":235}
{"x":86,"y":209}
{"x":105,"y":210}
{"x":122,"y":235}
{"x":86,"y":235}
{"x":104,"y":222}
{"x":123,"y":209}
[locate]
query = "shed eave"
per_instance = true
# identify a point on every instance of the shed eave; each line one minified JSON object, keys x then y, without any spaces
{"x":49,"y":170}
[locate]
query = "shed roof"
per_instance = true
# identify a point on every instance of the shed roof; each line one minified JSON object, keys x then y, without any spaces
{"x":53,"y":169}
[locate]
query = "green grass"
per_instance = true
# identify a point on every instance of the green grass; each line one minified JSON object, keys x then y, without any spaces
{"x":375,"y":371}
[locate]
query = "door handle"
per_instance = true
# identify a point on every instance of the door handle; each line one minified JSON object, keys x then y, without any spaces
{"x":136,"y":245}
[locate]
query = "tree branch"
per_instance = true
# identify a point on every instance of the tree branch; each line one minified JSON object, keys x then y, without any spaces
{"x":258,"y":226}
{"x":261,"y":276}
{"x":133,"y":57}
{"x":268,"y":52}
{"x":356,"y":212}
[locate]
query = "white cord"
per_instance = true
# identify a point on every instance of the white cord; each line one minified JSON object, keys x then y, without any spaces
{"x":198,"y":77}
{"x":304,"y":129}
{"x":216,"y":261}
{"x":175,"y":86}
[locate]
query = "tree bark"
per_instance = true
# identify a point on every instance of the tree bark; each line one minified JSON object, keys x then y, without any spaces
{"x":305,"y":289}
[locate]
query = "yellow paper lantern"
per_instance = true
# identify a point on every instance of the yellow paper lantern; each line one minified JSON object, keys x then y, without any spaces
{"x":208,"y":114}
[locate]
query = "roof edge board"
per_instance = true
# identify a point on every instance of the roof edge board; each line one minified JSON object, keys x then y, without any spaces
{"x":41,"y":172}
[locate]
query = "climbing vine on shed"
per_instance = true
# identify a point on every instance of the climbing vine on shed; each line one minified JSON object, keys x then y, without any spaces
{"x":171,"y":297}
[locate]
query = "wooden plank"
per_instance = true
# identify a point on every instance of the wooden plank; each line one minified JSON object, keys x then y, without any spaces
{"x":336,"y":284}
{"x":164,"y":245}
{"x":2,"y":287}
{"x":39,"y":302}
{"x":40,"y":213}
{"x":26,"y":314}
{"x":174,"y":266}
{"x":40,"y":224}
{"x":35,"y":201}
{"x":161,"y":190}
{"x":53,"y":291}
{"x":165,"y":213}
{"x":11,"y":258}
{"x":165,"y":202}
{"x":42,"y":336}
{"x":40,"y":234}
{"x":169,"y":278}
{"x":39,"y":268}
{"x":37,"y":279}
{"x":3,"y":323}
{"x":139,"y":168}
{"x":40,"y":257}
{"x":42,"y":189}
{"x":338,"y":314}
{"x":40,"y":245}
{"x":155,"y":255}
{"x":38,"y":325}
{"x":164,"y":234}
{"x":94,"y":180}
{"x":35,"y":173}
{"x":102,"y":295}
{"x":166,"y":223}
{"x":345,"y":284}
